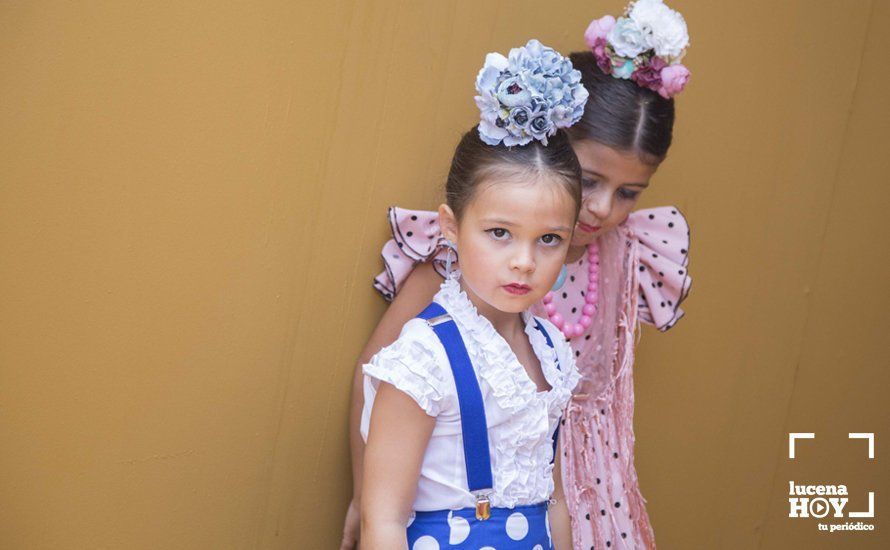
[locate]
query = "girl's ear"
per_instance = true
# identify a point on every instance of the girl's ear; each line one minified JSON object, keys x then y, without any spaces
{"x":448,"y":222}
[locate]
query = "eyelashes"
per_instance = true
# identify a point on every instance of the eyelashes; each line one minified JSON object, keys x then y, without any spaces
{"x":498,"y":233}
{"x":623,"y":192}
{"x":627,"y":193}
{"x":554,"y":239}
{"x":501,"y":234}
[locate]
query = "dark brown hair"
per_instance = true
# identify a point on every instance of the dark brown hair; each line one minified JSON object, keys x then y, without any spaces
{"x":621,"y":114}
{"x":475,"y":161}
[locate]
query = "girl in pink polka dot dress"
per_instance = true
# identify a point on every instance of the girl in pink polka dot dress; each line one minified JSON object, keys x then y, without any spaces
{"x":639,"y":274}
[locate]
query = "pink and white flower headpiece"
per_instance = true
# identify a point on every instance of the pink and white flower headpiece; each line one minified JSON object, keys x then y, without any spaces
{"x":646,"y":45}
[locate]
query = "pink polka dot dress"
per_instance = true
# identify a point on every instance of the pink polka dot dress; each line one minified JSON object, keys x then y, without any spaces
{"x":642,"y":278}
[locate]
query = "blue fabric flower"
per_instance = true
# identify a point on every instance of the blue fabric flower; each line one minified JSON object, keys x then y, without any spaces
{"x":527,"y":95}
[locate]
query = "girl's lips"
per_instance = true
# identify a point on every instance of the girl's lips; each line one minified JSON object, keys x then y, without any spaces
{"x":517,"y":289}
{"x":588,"y":228}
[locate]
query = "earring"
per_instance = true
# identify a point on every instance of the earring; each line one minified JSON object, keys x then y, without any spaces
{"x":561,"y":280}
{"x":452,"y":251}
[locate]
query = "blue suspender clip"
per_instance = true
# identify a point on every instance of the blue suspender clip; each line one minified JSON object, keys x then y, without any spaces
{"x":483,"y":506}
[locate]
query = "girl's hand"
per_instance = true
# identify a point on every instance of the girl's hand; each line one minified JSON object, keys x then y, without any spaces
{"x":351,"y":527}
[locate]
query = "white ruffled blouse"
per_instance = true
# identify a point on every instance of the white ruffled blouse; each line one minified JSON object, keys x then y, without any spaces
{"x":521,"y":420}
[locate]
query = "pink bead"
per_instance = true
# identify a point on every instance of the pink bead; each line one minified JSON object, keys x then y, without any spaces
{"x":586,"y":321}
{"x":550,"y":308}
{"x":557,"y":320}
{"x":588,"y":309}
{"x":548,"y":298}
{"x":568,"y":329}
{"x":592,"y":287}
{"x":579,"y":330}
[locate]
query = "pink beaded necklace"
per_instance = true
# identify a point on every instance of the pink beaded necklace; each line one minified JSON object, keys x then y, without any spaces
{"x":577,"y":329}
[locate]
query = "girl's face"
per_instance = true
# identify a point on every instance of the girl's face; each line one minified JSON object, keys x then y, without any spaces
{"x":611,"y":183}
{"x":512,"y":241}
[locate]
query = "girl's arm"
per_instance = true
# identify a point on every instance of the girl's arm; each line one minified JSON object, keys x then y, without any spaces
{"x":560,"y":522}
{"x":398,"y":436}
{"x":417,"y":291}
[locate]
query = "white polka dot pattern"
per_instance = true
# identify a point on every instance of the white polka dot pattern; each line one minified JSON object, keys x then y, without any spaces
{"x":517,"y":526}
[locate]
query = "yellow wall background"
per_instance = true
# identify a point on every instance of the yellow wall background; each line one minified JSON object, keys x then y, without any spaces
{"x":192,"y":203}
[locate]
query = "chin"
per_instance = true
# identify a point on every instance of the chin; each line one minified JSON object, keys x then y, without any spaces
{"x":514,"y":306}
{"x":583,"y":238}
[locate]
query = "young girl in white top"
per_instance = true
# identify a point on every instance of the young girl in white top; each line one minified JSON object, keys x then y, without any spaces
{"x":461,"y":413}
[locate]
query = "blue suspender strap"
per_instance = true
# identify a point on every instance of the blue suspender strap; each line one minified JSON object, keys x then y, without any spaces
{"x":472,"y":411}
{"x":540,"y":327}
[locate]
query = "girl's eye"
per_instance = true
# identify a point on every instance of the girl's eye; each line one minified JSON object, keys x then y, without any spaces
{"x":587,"y":183}
{"x":551,"y":239}
{"x":498,"y":233}
{"x":627,"y":193}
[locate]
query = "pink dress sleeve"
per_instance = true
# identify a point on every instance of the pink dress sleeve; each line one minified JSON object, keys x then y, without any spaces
{"x":662,"y":236}
{"x":416,"y":238}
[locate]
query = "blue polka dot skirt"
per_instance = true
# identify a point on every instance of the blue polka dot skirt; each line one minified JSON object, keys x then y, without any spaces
{"x":519,"y":528}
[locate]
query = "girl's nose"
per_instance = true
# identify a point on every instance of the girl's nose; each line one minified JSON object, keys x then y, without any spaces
{"x":600,"y":205}
{"x":523,"y":260}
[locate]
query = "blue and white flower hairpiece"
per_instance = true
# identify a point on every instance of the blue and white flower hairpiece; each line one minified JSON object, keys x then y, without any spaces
{"x":527,"y":95}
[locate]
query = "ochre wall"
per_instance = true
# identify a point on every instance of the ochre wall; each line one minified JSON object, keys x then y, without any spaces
{"x":192,"y":200}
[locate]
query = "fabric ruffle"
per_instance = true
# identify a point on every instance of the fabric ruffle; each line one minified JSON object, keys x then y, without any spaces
{"x":416,"y":238}
{"x":519,"y":478}
{"x":662,"y":236}
{"x":410,"y":364}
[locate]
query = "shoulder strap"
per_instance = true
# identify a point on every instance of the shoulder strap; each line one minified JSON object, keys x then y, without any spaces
{"x":540,"y":326}
{"x":472,"y":410}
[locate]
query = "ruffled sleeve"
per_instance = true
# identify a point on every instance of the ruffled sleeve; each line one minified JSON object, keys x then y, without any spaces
{"x":662,"y":236}
{"x":413,"y":364}
{"x":416,"y":238}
